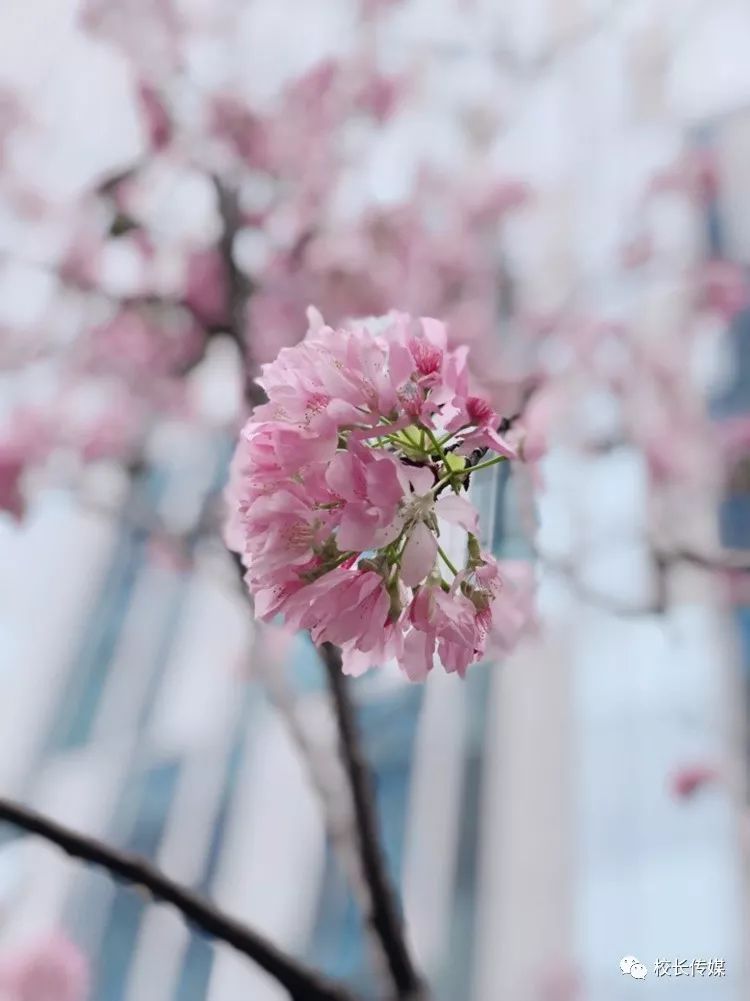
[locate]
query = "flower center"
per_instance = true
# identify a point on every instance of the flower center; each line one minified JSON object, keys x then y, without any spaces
{"x":419,"y":508}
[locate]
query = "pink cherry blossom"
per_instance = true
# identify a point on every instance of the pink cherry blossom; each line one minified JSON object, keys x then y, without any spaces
{"x":372,"y":491}
{"x":690,"y":779}
{"x":51,"y":969}
{"x":444,"y":623}
{"x":338,"y":488}
{"x":342,"y":605}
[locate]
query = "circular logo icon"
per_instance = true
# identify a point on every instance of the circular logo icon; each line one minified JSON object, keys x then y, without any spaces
{"x":631,"y":966}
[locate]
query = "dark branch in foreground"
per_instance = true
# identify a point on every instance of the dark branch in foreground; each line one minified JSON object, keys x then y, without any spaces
{"x":385,"y":916}
{"x":302,"y":983}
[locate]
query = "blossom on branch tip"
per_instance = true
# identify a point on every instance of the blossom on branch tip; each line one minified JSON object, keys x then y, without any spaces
{"x":340,"y":483}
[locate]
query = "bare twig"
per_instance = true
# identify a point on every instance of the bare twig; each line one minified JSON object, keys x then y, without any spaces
{"x":593,"y":596}
{"x":302,"y":983}
{"x":385,"y":915}
{"x":328,"y":780}
{"x":341,"y":824}
{"x":737,"y":560}
{"x":240,"y":287}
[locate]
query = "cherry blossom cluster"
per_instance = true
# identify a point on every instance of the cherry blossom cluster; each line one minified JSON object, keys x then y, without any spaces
{"x":339,"y":487}
{"x":50,"y":968}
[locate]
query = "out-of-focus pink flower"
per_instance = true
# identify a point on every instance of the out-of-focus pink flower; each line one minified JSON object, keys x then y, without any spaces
{"x":80,"y":263}
{"x":636,"y":252}
{"x":52,"y":969}
{"x":690,"y":779}
{"x":242,"y":129}
{"x":379,"y":96}
{"x":695,"y":173}
{"x":532,"y":433}
{"x":26,"y":442}
{"x":486,"y":206}
{"x":111,"y":430}
{"x":737,"y":587}
{"x":515,"y":614}
{"x":337,"y":488}
{"x":734,"y":438}
{"x":143,"y":345}
{"x":158,"y":122}
{"x":434,"y":256}
{"x":560,"y":983}
{"x":12,"y":467}
{"x":206,"y":287}
{"x":372,"y":7}
{"x":724,"y":289}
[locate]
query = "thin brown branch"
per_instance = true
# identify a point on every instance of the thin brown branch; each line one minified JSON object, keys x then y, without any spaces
{"x":302,"y":983}
{"x":664,"y":560}
{"x":240,"y":287}
{"x":737,"y":560}
{"x":359,"y":833}
{"x":600,"y":599}
{"x":326,"y":775}
{"x":385,"y":915}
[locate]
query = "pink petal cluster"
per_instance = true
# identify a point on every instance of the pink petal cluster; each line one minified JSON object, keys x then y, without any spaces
{"x":51,"y":969}
{"x":690,"y":779}
{"x":24,"y":443}
{"x":393,"y":255}
{"x":139,"y":345}
{"x":338,"y":488}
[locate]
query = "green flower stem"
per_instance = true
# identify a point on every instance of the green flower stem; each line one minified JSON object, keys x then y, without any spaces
{"x":486,"y":465}
{"x":446,"y":479}
{"x":337,"y":562}
{"x":436,"y":444}
{"x":466,"y":471}
{"x":446,"y":438}
{"x":447,"y":561}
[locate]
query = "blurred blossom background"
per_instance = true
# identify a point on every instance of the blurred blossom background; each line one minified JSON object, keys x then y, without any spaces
{"x":565,"y":183}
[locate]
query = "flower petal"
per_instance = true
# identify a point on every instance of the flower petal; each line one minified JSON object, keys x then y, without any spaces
{"x":458,"y":511}
{"x":346,"y":477}
{"x":419,"y":555}
{"x":421,"y":479}
{"x":418,"y":657}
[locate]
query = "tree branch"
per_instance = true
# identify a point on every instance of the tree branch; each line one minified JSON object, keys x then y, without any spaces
{"x":385,"y":915}
{"x":600,"y":599}
{"x":302,"y":983}
{"x":240,"y":288}
{"x":326,"y":773}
